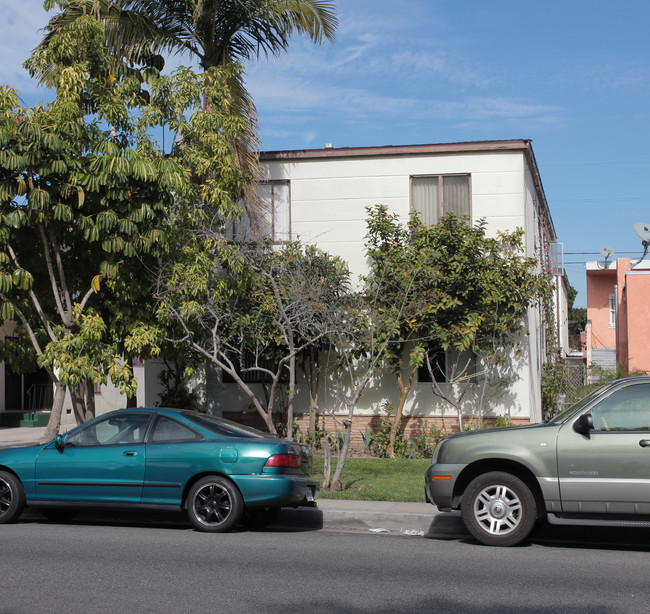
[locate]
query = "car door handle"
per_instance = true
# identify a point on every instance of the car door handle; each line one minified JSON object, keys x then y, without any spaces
{"x":129,"y":453}
{"x":645,"y":443}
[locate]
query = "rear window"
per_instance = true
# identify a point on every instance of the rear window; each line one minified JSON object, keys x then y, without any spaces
{"x":225,"y":427}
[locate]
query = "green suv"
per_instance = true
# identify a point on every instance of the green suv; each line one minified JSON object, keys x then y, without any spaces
{"x":589,"y":466}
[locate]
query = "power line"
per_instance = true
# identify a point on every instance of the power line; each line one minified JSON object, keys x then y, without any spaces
{"x":596,"y":253}
{"x":603,"y":198}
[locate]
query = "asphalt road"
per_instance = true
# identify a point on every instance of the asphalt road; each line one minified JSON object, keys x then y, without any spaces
{"x":164,"y":566}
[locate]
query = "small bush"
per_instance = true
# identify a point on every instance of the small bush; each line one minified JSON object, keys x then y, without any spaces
{"x":425,"y":441}
{"x":381,"y":438}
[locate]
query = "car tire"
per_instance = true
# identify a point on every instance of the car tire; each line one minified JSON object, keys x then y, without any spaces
{"x":214,"y":504}
{"x":59,"y":514}
{"x":498,"y":509}
{"x":12,"y":497}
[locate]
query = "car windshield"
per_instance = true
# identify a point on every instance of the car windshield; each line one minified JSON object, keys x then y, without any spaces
{"x":561,"y":417}
{"x":225,"y":427}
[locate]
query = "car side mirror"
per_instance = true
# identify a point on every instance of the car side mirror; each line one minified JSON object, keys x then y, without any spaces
{"x":584,"y":424}
{"x":59,"y":442}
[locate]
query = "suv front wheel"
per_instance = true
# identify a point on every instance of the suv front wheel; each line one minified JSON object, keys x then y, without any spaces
{"x":498,"y":509}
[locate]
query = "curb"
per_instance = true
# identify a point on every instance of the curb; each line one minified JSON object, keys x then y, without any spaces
{"x":368,"y":519}
{"x":377,"y":517}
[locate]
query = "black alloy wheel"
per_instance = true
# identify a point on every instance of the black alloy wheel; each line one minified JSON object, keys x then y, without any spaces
{"x":214,"y":504}
{"x":12,"y":497}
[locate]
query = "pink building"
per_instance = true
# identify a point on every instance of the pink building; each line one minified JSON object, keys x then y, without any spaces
{"x":618,"y":314}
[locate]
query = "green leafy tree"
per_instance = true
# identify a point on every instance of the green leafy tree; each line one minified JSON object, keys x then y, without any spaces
{"x":484,"y":290}
{"x":461,"y":293}
{"x":81,"y":179}
{"x":404,"y":272}
{"x":308,"y":285}
{"x":213,"y":32}
{"x":251,"y":310}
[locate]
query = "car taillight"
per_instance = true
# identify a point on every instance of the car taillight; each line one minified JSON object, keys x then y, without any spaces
{"x":283,"y":460}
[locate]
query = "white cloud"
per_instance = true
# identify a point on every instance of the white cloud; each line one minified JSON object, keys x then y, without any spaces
{"x":22,"y":21}
{"x":608,"y":73}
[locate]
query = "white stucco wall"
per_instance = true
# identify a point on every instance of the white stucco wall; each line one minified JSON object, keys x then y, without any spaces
{"x":329,"y":197}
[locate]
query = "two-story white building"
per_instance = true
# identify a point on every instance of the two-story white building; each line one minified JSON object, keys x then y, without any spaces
{"x":320,"y":196}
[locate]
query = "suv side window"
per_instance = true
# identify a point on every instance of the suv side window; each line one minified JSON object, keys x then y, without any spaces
{"x":627,"y":409}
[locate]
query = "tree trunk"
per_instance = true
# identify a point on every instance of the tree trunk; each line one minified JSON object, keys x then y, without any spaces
{"x":292,"y":394}
{"x":327,"y":463}
{"x":90,"y":400}
{"x":403,"y":394}
{"x":343,"y":455}
{"x":131,"y":401}
{"x":213,"y":389}
{"x":78,"y":404}
{"x":312,"y":377}
{"x":55,"y":416}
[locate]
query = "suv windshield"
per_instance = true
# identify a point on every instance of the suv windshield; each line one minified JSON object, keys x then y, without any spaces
{"x":225,"y":427}
{"x":561,"y":417}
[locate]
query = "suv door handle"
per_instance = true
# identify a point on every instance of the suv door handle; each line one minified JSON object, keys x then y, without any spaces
{"x":132,"y":453}
{"x":645,"y":443}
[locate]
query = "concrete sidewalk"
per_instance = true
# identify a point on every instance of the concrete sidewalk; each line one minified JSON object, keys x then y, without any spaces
{"x":21,"y":436}
{"x":375,"y":516}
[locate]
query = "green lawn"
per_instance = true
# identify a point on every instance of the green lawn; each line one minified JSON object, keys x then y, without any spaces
{"x":378,"y":479}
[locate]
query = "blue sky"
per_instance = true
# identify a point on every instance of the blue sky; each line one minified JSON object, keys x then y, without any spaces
{"x":574,"y":77}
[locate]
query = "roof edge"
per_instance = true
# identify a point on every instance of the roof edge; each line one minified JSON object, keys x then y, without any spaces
{"x":397,"y":150}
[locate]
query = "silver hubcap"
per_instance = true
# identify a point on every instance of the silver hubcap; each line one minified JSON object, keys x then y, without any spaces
{"x":497,"y":509}
{"x":212,"y":505}
{"x":5,"y":496}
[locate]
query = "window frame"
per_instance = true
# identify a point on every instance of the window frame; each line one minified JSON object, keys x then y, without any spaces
{"x":603,"y":411}
{"x":272,"y":210}
{"x":440,"y":190}
{"x":160,"y":418}
{"x":75,"y":438}
{"x":424,"y":377}
{"x":239,"y":230}
{"x":612,"y":310}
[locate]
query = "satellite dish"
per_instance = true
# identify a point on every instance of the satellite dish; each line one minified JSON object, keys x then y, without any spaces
{"x":606,"y":252}
{"x":643,"y":230}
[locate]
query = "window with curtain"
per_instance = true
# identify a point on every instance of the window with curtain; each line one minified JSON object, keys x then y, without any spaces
{"x":434,"y":195}
{"x":274,"y":197}
{"x":612,"y":311}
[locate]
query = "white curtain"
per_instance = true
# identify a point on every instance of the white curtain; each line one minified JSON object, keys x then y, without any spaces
{"x":425,"y":198}
{"x":455,"y":194}
{"x":281,"y":212}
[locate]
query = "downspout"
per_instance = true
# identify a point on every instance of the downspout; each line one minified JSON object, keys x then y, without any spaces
{"x":559,"y":315}
{"x":616,"y":324}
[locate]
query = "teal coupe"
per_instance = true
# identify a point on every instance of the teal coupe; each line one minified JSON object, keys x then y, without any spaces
{"x":218,"y":471}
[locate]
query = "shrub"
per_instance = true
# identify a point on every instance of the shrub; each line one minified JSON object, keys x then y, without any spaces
{"x":381,"y":438}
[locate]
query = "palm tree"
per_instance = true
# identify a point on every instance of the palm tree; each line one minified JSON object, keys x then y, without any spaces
{"x":214,"y":32}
